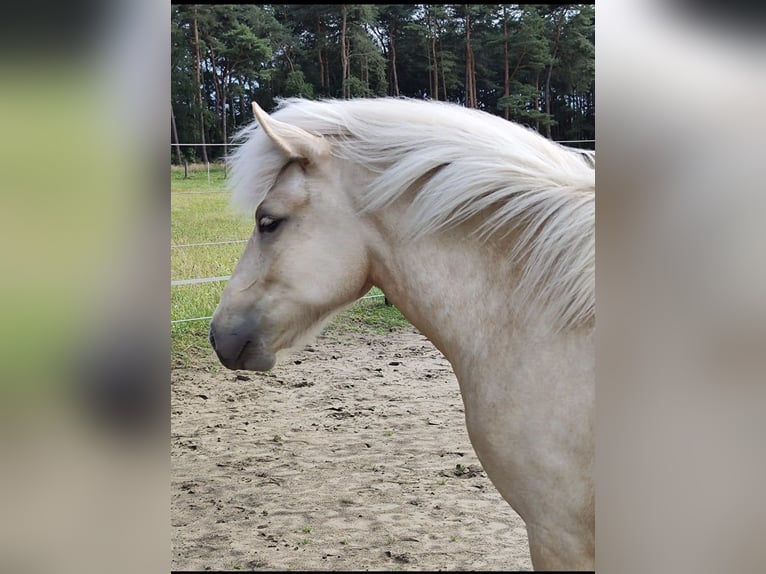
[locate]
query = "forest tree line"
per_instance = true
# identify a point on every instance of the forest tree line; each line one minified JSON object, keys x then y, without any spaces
{"x":532,"y":64}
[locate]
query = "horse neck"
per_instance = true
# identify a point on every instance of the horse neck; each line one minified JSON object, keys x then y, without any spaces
{"x":454,"y":289}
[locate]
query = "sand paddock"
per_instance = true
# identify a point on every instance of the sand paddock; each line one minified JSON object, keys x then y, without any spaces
{"x":351,"y":454}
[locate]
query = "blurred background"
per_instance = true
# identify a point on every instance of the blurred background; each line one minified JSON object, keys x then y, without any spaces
{"x":681,"y":281}
{"x":85,"y":353}
{"x":84,"y":359}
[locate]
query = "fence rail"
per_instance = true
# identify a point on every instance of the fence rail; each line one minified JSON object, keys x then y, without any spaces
{"x":375,"y":296}
{"x":208,"y":243}
{"x":200,"y":280}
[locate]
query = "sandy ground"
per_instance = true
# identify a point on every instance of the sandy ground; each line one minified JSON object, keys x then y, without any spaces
{"x":352,"y":454}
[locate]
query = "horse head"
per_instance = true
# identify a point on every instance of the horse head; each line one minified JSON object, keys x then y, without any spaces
{"x":305,"y":259}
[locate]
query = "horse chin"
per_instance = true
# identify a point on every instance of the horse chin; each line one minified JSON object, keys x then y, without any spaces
{"x":252,"y":357}
{"x":257,"y":362}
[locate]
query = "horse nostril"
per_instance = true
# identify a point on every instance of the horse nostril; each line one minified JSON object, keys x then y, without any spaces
{"x":211,"y":337}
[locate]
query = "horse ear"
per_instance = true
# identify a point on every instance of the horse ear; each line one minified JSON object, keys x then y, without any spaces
{"x":296,"y":143}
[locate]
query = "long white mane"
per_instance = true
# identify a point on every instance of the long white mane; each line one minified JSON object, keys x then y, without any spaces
{"x":466,"y":163}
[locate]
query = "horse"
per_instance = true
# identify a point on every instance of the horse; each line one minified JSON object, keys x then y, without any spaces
{"x":481,"y":232}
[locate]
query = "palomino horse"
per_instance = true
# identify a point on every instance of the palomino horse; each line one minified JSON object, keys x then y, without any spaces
{"x":481,"y":232}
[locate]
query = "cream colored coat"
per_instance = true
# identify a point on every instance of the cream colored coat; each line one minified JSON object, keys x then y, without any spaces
{"x":519,"y":337}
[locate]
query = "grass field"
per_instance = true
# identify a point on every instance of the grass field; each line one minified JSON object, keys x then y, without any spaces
{"x":200,"y":214}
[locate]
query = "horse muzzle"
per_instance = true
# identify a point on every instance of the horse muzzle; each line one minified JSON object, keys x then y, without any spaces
{"x":238,"y":349}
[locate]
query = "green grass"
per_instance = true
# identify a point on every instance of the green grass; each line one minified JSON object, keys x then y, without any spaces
{"x":206,"y":217}
{"x":197,"y":178}
{"x":200,"y":218}
{"x":369,"y":315}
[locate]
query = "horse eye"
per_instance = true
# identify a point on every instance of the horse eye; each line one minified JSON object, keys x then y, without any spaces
{"x":268,"y":224}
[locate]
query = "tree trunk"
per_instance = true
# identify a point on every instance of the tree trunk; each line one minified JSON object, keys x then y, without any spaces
{"x":198,"y":72}
{"x":506,"y":65}
{"x":233,"y":113}
{"x":392,"y":40}
{"x":288,"y":58}
{"x":436,"y":70}
{"x":470,"y":80}
{"x":537,"y":99}
{"x":385,"y":46}
{"x":175,"y":134}
{"x":225,"y":138}
{"x":434,"y":59}
{"x":219,"y":96}
{"x":242,"y":102}
{"x":430,"y":74}
{"x":430,"y":50}
{"x":444,"y":76}
{"x":344,"y":54}
{"x":319,"y":53}
{"x":550,"y":72}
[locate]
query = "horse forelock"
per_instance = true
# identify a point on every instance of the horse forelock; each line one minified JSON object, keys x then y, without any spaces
{"x":463,"y":163}
{"x":254,"y":169}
